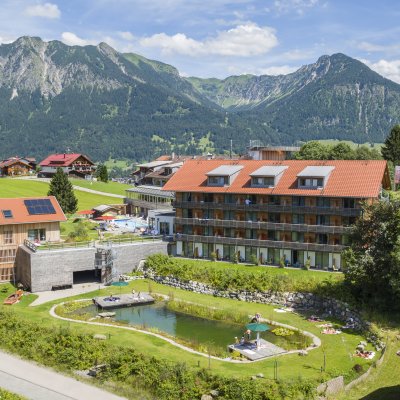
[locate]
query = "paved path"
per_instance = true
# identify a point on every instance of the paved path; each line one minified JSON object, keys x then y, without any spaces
{"x":51,"y":295}
{"x":82,"y":189}
{"x":37,"y":383}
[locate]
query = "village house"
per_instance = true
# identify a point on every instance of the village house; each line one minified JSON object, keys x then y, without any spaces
{"x":77,"y":165}
{"x":34,"y":219}
{"x":296,"y":212}
{"x":17,"y":166}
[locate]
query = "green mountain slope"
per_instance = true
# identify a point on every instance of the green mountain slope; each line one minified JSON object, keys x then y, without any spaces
{"x":95,"y":100}
{"x":337,"y":97}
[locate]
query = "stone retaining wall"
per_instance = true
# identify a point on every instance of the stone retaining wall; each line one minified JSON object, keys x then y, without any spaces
{"x":301,"y":301}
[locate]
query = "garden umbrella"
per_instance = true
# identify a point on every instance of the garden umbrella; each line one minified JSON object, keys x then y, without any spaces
{"x":256,"y":327}
{"x":120,"y":284}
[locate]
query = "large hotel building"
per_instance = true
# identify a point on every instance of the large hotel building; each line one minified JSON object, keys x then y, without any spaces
{"x":292,"y":210}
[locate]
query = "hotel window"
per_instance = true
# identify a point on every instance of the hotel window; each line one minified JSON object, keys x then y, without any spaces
{"x":322,"y":220}
{"x":349,"y":203}
{"x":298,"y":201}
{"x":311,"y":182}
{"x":298,"y":219}
{"x":267,"y":181}
{"x":218,"y":180}
{"x":8,"y":237}
{"x":323,"y":202}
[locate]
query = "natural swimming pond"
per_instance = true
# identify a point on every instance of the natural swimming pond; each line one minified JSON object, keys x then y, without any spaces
{"x":198,"y":333}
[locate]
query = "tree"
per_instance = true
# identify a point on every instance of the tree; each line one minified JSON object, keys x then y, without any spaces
{"x":61,"y":188}
{"x":102,"y":173}
{"x":391,"y":149}
{"x":312,"y":151}
{"x":372,"y":263}
{"x":341,"y":151}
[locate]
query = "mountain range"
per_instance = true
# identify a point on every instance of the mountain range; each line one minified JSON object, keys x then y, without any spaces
{"x":95,"y":100}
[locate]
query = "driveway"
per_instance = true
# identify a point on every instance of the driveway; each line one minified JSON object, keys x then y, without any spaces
{"x":38,"y":383}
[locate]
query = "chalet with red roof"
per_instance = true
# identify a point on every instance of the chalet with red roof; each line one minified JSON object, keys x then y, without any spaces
{"x":292,"y":212}
{"x":78,"y":165}
{"x":34,"y":219}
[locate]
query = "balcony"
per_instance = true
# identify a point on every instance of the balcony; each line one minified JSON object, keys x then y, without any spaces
{"x":148,"y":205}
{"x":346,"y":212}
{"x":263,"y":225}
{"x":260,"y":243}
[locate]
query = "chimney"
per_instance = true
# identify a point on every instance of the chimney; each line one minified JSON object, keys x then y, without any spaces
{"x":173,"y":156}
{"x":64,"y":155}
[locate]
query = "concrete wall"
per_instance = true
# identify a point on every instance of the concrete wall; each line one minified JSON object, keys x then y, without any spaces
{"x":47,"y":268}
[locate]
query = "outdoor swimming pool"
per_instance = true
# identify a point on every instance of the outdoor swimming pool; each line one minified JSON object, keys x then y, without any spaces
{"x":130,"y":224}
{"x":190,"y":329}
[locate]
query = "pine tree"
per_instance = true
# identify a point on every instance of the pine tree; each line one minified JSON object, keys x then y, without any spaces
{"x":391,"y":149}
{"x":102,"y":173}
{"x":61,"y":189}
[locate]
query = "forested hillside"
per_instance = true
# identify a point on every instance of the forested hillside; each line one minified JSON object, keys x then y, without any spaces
{"x":95,"y":100}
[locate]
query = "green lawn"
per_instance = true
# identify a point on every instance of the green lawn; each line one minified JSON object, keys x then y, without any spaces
{"x":30,"y":188}
{"x":338,"y":348}
{"x":350,"y":143}
{"x":384,"y":381}
{"x":109,"y":187}
{"x":295,"y":273}
{"x":123,"y":164}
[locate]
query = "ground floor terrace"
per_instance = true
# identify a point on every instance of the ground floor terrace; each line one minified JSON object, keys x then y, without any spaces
{"x":327,"y":259}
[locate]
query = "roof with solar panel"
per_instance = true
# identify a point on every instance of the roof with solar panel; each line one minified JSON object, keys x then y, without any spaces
{"x":30,"y":210}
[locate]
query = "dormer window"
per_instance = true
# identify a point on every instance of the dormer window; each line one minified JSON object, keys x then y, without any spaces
{"x":267,"y":176}
{"x":314,"y":177}
{"x":223,"y":175}
{"x":311,"y":182}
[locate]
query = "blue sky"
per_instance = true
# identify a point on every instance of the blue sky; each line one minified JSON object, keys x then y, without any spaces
{"x":218,"y":38}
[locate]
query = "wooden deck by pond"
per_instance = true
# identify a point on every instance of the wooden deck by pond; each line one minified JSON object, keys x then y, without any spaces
{"x":123,"y":300}
{"x":251,"y":352}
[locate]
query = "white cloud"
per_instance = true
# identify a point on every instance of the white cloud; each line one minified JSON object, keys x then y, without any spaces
{"x":71,"y":39}
{"x":388,"y":69}
{"x":126,"y":35}
{"x":46,"y":10}
{"x":278,"y":70}
{"x":297,"y":6}
{"x":242,"y":41}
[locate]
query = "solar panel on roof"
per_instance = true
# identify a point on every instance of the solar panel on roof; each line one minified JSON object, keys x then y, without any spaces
{"x":39,"y":207}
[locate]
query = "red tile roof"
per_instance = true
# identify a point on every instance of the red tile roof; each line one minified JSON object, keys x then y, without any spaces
{"x":20,"y":213}
{"x":62,"y":160}
{"x":350,"y":178}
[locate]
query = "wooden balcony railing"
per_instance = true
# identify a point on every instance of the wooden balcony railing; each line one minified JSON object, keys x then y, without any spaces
{"x":346,"y":212}
{"x":260,"y":243}
{"x":263,"y":225}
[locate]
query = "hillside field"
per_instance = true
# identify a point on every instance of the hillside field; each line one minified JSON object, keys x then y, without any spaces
{"x":12,"y":188}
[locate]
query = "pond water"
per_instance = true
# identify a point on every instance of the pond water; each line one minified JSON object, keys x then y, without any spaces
{"x":193,"y":330}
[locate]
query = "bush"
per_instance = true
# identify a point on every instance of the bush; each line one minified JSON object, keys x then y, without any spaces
{"x":358,"y":368}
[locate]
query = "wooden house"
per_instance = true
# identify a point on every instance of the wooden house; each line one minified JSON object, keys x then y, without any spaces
{"x":34,"y":219}
{"x":17,"y":166}
{"x":78,"y":165}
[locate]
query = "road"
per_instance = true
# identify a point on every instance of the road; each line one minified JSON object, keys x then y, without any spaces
{"x":38,"y":383}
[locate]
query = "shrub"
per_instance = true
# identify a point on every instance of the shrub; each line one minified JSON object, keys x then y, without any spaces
{"x":358,"y":368}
